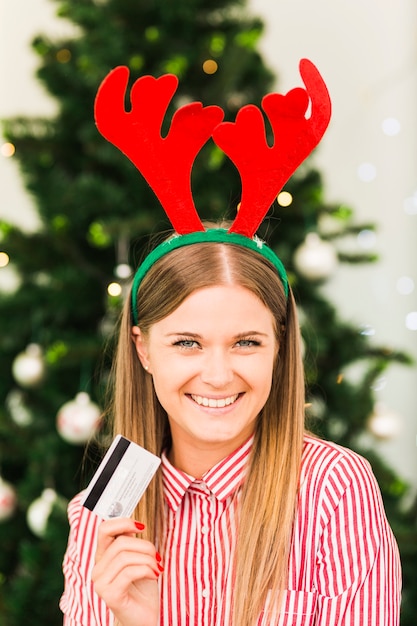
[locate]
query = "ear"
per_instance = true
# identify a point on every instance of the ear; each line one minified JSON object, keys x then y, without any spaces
{"x":141,"y":347}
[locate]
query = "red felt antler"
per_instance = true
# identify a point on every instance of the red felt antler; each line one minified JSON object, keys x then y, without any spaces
{"x":165,"y":163}
{"x":263,"y":169}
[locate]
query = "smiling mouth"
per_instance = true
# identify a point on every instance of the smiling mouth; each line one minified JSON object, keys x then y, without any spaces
{"x":215,"y":403}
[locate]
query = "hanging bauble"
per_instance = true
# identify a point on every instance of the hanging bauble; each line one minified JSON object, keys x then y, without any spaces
{"x":15,"y":403}
{"x":123,"y":271}
{"x":8,"y":500}
{"x":10,"y":280}
{"x":384,"y":423}
{"x":29,"y":366}
{"x":108,"y":324}
{"x":315,"y":259}
{"x":78,"y":420}
{"x":39,"y":511}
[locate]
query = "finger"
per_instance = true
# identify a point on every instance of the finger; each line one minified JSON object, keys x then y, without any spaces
{"x":127,"y":583}
{"x":126,"y":543}
{"x":128,"y":547}
{"x":110,"y":529}
{"x":124,"y":568}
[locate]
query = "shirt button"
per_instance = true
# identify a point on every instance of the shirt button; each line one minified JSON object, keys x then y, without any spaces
{"x":205,"y":593}
{"x":204,"y":529}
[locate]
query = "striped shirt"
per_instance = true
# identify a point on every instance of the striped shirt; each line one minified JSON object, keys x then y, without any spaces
{"x":344,"y":567}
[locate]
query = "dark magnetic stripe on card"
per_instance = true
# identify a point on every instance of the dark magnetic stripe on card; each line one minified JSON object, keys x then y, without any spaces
{"x":108,"y":471}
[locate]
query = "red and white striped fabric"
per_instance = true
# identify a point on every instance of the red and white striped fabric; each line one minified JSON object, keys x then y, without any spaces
{"x":344,"y":566}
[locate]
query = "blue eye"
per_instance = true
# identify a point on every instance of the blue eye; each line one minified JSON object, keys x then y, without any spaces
{"x":186,"y":343}
{"x":248,"y":343}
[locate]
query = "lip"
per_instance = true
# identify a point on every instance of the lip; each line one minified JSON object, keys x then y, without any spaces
{"x":215,"y":403}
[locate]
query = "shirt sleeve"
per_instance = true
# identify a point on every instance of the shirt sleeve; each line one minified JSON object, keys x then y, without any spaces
{"x":79,"y":603}
{"x":358,"y":575}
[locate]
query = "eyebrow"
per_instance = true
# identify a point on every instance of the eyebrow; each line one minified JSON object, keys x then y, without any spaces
{"x":245,"y":333}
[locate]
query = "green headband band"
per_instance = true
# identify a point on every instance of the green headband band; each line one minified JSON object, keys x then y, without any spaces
{"x":216,"y":235}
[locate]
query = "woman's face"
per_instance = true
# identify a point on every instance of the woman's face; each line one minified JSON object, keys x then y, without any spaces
{"x":211,"y":361}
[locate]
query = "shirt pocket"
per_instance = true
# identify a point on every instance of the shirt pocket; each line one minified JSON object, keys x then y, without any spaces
{"x":298,"y":608}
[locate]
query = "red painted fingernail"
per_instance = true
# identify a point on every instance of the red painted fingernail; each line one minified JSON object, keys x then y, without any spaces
{"x":161,"y":569}
{"x":158,"y":557}
{"x":140,"y":526}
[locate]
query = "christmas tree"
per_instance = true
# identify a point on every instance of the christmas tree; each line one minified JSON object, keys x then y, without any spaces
{"x":96,"y":213}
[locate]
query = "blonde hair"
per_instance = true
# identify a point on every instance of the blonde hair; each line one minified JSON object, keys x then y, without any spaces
{"x":269,"y":494}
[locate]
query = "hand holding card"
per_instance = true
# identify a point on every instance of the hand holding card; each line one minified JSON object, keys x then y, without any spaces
{"x":126,"y":572}
{"x":121,"y":479}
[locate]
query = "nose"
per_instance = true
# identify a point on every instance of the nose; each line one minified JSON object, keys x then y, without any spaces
{"x":217,"y":370}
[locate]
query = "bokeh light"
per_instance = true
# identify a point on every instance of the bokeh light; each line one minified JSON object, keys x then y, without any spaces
{"x":367,"y":172}
{"x":8,"y":149}
{"x":210,"y":66}
{"x":114,"y":289}
{"x":284,"y":198}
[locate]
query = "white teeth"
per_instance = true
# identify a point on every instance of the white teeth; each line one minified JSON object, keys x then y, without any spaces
{"x":213,"y":402}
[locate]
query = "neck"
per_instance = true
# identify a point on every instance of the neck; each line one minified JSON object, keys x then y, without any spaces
{"x":197,"y":460}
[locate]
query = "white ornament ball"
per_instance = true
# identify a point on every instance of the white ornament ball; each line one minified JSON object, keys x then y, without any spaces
{"x":315,"y":259}
{"x":10,"y":280}
{"x":78,"y":420}
{"x":123,"y":271}
{"x":39,"y":511}
{"x":384,"y":423}
{"x":8,"y":500}
{"x":29,"y":366}
{"x":15,"y":403}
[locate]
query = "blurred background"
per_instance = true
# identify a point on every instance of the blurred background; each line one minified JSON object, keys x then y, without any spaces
{"x":367,"y":52}
{"x":66,"y":254}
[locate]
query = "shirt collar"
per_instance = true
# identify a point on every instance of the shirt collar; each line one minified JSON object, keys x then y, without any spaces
{"x":222,"y":480}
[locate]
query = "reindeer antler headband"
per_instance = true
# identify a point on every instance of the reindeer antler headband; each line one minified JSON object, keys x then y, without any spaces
{"x":166,"y":163}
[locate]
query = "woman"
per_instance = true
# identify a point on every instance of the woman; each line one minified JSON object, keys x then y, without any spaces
{"x":250,"y":521}
{"x":246,"y":504}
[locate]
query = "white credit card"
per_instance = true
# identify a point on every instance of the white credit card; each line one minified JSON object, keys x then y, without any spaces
{"x":120,"y":480}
